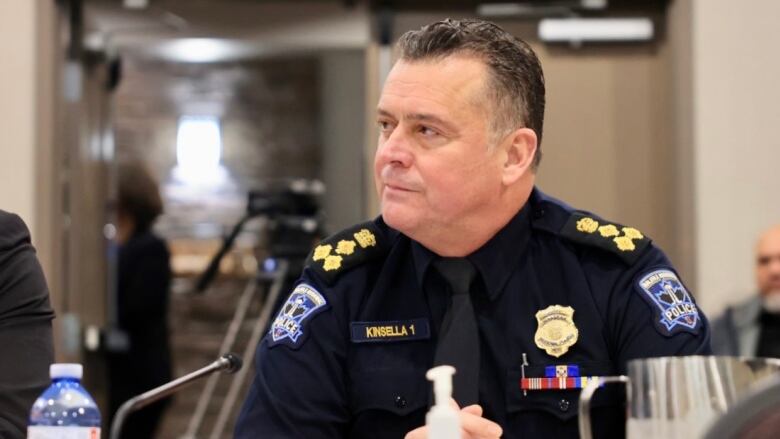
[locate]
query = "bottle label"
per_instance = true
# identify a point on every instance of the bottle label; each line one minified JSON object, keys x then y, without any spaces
{"x":48,"y":432}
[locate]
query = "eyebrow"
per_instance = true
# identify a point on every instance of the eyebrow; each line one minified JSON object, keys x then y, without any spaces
{"x":420,"y":117}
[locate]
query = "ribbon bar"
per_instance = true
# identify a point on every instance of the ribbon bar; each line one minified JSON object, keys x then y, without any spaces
{"x":556,"y":383}
{"x":562,"y":371}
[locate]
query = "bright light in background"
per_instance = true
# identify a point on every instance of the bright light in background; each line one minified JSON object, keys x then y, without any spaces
{"x":136,"y":4}
{"x":577,"y":30}
{"x":202,"y":50}
{"x":199,"y":150}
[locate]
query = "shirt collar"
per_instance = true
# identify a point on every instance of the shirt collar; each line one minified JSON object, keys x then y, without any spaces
{"x":495,"y":260}
{"x":422,"y":260}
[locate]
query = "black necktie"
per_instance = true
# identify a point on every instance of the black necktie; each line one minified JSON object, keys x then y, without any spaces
{"x":458,"y":343}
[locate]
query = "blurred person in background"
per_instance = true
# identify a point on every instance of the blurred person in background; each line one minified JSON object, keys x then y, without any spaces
{"x":752,"y":328}
{"x":26,"y":347}
{"x":143,"y":284}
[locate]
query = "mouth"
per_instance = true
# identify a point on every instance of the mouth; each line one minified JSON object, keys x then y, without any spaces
{"x":395,"y":187}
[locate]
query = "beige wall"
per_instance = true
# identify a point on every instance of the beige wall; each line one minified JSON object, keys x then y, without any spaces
{"x":17,"y":108}
{"x":678,"y":52}
{"x":342,"y":97}
{"x":28,"y":87}
{"x":735,"y":140}
{"x":606,"y":143}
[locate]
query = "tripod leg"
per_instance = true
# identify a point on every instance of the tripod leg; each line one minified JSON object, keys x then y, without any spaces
{"x":257,"y":333}
{"x":227,"y":344}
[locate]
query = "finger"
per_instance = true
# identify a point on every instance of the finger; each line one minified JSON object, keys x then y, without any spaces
{"x":454,"y":404}
{"x":474,"y":409}
{"x":417,"y":433}
{"x":478,"y":427}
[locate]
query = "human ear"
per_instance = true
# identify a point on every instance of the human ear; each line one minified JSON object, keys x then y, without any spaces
{"x":520,"y":147}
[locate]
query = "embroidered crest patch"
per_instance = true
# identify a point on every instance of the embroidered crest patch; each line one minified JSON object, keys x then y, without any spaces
{"x":304,"y":302}
{"x":675,"y":309}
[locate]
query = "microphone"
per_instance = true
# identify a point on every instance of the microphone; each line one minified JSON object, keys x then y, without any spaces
{"x":228,"y":363}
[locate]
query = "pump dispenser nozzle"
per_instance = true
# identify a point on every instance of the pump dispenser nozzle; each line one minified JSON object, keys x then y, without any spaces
{"x":442,"y":383}
{"x":442,"y":420}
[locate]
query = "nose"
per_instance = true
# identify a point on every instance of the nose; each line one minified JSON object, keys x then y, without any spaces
{"x":395,"y":150}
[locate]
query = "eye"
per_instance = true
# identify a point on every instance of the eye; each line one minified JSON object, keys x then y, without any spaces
{"x":384,"y":126}
{"x":428,"y":131}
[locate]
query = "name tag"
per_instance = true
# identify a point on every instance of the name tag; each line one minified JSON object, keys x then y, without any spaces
{"x":396,"y":330}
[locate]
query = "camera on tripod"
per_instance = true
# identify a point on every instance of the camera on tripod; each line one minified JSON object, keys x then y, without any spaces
{"x":293,"y":212}
{"x":294,"y":224}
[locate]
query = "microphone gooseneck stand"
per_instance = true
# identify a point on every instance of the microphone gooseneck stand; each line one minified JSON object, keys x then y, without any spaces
{"x":228,"y":363}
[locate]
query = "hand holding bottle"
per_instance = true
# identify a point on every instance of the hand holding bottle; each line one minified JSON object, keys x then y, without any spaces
{"x":473,"y":425}
{"x":446,"y":420}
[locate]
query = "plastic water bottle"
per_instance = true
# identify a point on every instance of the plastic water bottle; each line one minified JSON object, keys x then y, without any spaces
{"x":65,"y":410}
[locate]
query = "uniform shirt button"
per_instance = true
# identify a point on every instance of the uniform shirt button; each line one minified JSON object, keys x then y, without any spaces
{"x":400,"y":401}
{"x":563,"y":405}
{"x":538,"y":213}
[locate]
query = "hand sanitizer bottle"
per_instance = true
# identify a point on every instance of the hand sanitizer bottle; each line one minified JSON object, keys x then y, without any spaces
{"x":443,"y":420}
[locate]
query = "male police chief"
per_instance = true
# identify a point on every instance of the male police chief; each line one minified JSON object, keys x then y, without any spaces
{"x":469,"y":264}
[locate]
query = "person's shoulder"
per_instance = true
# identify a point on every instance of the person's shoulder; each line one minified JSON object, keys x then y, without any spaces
{"x":741,"y":314}
{"x":146,"y":243}
{"x":333,"y":282}
{"x":587,"y":230}
{"x":13,"y":231}
{"x":349,"y":249}
{"x":23,"y":291}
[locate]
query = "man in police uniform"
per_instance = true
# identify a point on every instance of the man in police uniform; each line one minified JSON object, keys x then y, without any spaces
{"x":469,"y":265}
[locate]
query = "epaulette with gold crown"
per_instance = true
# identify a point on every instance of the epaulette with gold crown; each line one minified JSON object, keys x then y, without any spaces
{"x":345,"y":250}
{"x":626,"y":242}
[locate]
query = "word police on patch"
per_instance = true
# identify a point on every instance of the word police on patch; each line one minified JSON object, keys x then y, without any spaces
{"x":675,"y":309}
{"x":399,"y":330}
{"x":303,"y":304}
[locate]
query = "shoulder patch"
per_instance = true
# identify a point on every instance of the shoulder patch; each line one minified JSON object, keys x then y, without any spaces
{"x":674,"y":308}
{"x":626,"y":242}
{"x":345,"y":250}
{"x":288,"y":327}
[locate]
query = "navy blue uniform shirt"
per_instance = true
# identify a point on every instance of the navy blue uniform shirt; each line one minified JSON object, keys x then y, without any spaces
{"x":346,"y":356}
